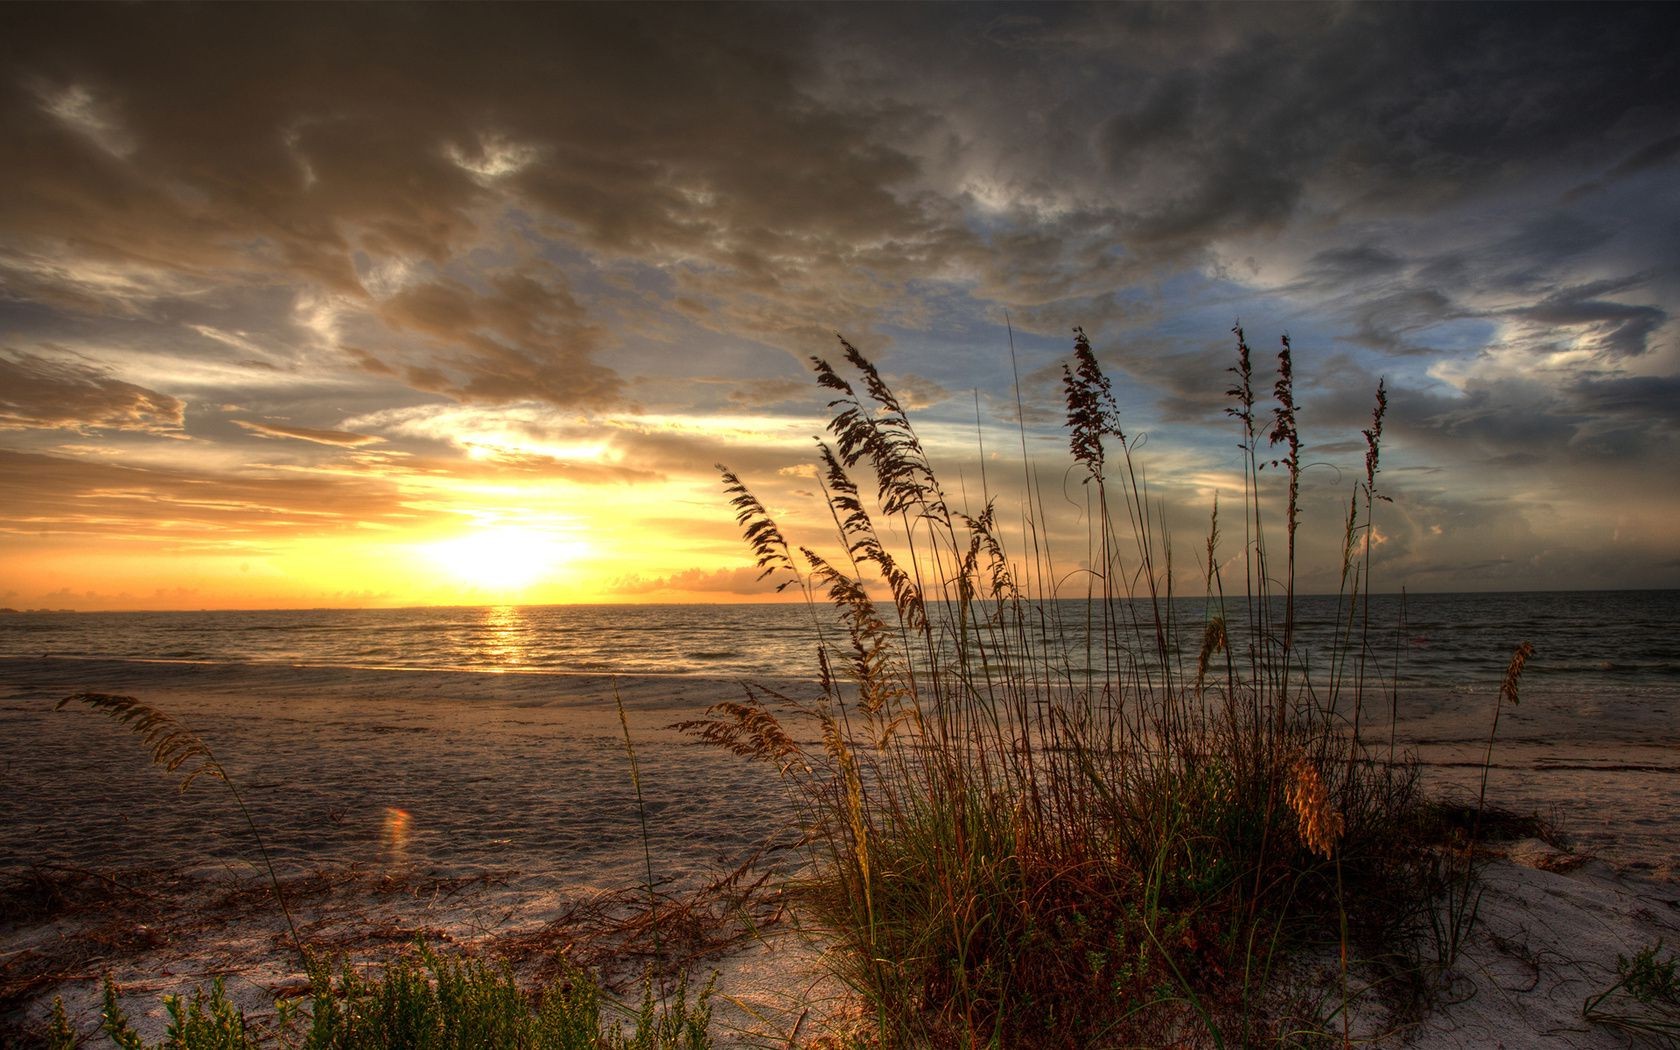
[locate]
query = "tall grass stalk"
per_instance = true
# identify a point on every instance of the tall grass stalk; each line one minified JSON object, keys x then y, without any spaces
{"x":1033,"y":826}
{"x":176,"y":747}
{"x":1451,"y":928}
{"x":641,"y":807}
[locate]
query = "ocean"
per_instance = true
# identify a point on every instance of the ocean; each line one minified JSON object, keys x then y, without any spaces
{"x":1582,"y":639}
{"x":487,"y":741}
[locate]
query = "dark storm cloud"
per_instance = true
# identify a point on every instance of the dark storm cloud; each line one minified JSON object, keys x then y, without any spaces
{"x":1632,"y":397}
{"x":200,"y":138}
{"x":790,"y":166}
{"x":1654,"y":155}
{"x":68,"y":394}
{"x":1616,"y":329}
{"x":1413,"y":157}
{"x":1353,"y":264}
{"x":290,"y":144}
{"x":1488,"y":420}
{"x":1206,"y":120}
{"x":517,"y":340}
{"x":1388,"y":321}
{"x":1519,"y":258}
{"x":1607,"y":430}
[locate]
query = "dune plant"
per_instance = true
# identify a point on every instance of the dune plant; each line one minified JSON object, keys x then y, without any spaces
{"x":426,"y":1002}
{"x":60,"y":1034}
{"x":198,"y":1022}
{"x":436,"y":1002}
{"x":1033,"y":824}
{"x":175,"y":748}
{"x":1644,"y":1000}
{"x":1455,"y":873}
{"x":641,"y":807}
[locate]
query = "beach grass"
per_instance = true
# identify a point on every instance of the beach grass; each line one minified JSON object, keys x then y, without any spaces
{"x":1644,"y":1001}
{"x":1040,"y":826}
{"x":175,"y":747}
{"x":421,"y":1002}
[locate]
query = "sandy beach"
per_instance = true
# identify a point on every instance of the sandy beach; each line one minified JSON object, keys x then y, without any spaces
{"x":490,"y":811}
{"x":495,"y":813}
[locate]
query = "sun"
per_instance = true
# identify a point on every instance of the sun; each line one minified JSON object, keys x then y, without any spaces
{"x":503,"y":558}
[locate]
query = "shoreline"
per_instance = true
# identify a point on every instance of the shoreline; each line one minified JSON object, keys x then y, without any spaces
{"x":1551,"y":927}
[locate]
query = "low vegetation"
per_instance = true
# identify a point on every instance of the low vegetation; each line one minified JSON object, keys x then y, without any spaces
{"x":422,"y":1000}
{"x":1644,"y":1000}
{"x":426,"y":1002}
{"x":1041,"y":822}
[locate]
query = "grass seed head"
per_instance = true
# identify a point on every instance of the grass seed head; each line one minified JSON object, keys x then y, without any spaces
{"x":1320,"y":823}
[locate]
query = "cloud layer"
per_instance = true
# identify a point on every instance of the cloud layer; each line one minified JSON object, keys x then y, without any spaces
{"x":416,"y":247}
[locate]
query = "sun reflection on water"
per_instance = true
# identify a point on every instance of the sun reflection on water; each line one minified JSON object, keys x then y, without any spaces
{"x":501,"y":645}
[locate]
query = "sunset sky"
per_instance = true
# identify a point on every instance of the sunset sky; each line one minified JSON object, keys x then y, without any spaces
{"x":385,"y":305}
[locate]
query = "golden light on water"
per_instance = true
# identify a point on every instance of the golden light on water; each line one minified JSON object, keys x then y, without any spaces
{"x":503,"y":645}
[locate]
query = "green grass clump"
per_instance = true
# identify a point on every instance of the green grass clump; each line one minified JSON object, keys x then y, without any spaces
{"x":1644,"y":1001}
{"x":429,"y":1002}
{"x":1039,"y":823}
{"x":439,"y":1003}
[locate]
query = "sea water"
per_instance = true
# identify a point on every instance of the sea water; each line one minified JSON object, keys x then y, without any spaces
{"x":486,"y":739}
{"x":1582,"y":639}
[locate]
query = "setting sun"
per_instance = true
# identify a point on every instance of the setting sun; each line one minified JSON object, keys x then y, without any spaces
{"x":505,"y":558}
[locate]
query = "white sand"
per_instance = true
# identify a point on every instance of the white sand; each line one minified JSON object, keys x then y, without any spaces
{"x":1546,"y":941}
{"x":495,"y":813}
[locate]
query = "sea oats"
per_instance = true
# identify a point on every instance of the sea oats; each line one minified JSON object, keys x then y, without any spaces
{"x":1015,"y":798}
{"x":173,"y":744}
{"x":1513,"y":672}
{"x":1320,"y":823}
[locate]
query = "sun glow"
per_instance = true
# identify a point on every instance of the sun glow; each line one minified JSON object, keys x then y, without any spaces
{"x":505,"y":558}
